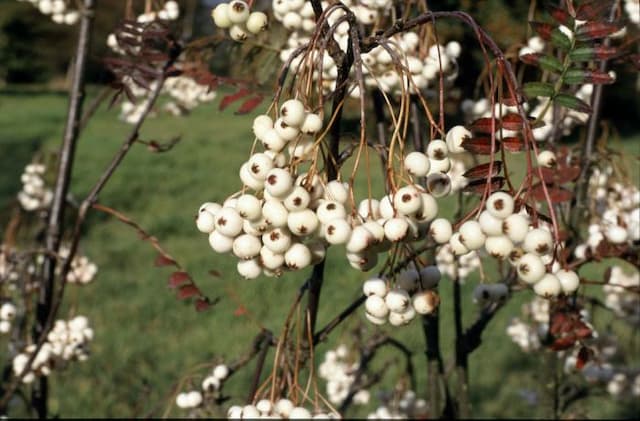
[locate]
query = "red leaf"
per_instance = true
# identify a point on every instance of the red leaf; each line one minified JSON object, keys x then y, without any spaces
{"x":567,"y":174}
{"x":595,"y":30}
{"x":178,"y":278}
{"x":250,"y":105}
{"x":556,"y":194}
{"x":480,"y":145}
{"x":563,"y":343}
{"x":229,"y":99}
{"x":240,"y":311}
{"x":512,"y":122}
{"x":584,"y":354}
{"x":482,"y":170}
{"x":478,"y":186}
{"x":483,"y":125}
{"x":582,"y":330}
{"x":202,"y":304}
{"x":560,"y":15}
{"x":512,"y":144}
{"x":603,"y":52}
{"x":164,"y":260}
{"x":188,"y":291}
{"x":543,"y":29}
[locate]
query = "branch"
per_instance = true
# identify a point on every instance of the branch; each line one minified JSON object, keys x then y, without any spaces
{"x":325,"y":331}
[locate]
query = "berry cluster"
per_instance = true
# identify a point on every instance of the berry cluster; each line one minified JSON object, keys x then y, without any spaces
{"x":456,"y":267}
{"x":283,"y":408}
{"x":34,"y":194}
{"x":406,"y":405}
{"x":210,"y":386}
{"x":82,"y":270}
{"x":619,"y":296}
{"x":60,"y":10}
{"x":238,"y":18}
{"x":67,"y":341}
{"x":7,"y":314}
{"x":412,"y":294}
{"x":339,"y":374}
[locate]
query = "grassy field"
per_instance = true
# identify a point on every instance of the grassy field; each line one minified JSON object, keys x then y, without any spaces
{"x":146,"y":339}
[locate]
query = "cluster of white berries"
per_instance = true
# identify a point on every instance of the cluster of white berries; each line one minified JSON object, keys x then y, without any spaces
{"x":210,"y":385}
{"x":8,"y":273}
{"x":380,"y":63}
{"x":7,"y":314}
{"x":624,"y":303}
{"x":534,"y":45}
{"x":412,"y":294}
{"x":406,"y":406}
{"x":339,"y":374}
{"x":282,"y":408}
{"x":567,"y":119}
{"x":82,"y":270}
{"x":527,"y":335}
{"x":238,"y":18}
{"x":186,"y":94}
{"x":34,"y":194}
{"x":67,"y":341}
{"x":510,"y":236}
{"x":60,"y":10}
{"x":616,"y":212}
{"x":456,"y":267}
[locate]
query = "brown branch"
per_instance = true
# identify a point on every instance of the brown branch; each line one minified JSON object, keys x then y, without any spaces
{"x":55,"y":223}
{"x":325,"y":331}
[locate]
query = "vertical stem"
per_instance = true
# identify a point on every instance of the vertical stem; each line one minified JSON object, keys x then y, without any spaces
{"x":317,"y":277}
{"x":462,"y":360}
{"x":435,"y":368}
{"x":55,"y":224}
{"x":415,"y":125}
{"x":263,"y":345}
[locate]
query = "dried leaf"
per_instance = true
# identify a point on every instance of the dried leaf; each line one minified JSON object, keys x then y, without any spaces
{"x":512,"y":144}
{"x":250,"y":105}
{"x":513,"y":122}
{"x":164,"y":260}
{"x":563,"y":343}
{"x":556,"y":194}
{"x":543,"y":29}
{"x":188,"y":291}
{"x":179,"y":278}
{"x":595,"y":30}
{"x":480,"y":145}
{"x":594,"y":9}
{"x":229,"y":99}
{"x":478,"y":186}
{"x":484,"y":170}
{"x":484,"y":125}
{"x":560,"y":15}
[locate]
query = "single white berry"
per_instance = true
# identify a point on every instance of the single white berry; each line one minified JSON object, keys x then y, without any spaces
{"x":457,"y":247}
{"x":250,"y":412}
{"x":238,"y":11}
{"x":297,"y":257}
{"x":547,"y":287}
{"x":397,"y":300}
{"x":287,"y":132}
{"x":377,"y":232}
{"x":547,"y":159}
{"x":379,"y":321}
{"x":228,"y":222}
{"x":437,"y":150}
{"x":210,"y":384}
{"x":271,"y":260}
{"x":329,"y":210}
{"x":257,"y":22}
{"x":312,"y":124}
{"x":569,"y":280}
{"x":261,"y":124}
{"x":530,"y":268}
{"x":455,"y":137}
{"x":272,"y":141}
{"x":246,"y":246}
{"x":498,"y":246}
{"x":439,"y":184}
{"x":275,"y":213}
{"x":249,"y":207}
{"x":220,"y":371}
{"x":249,"y":269}
{"x":364,"y":261}
{"x":259,"y":165}
{"x":396,"y":229}
{"x":369,"y":209}
{"x":337,"y":231}
{"x":337,"y":191}
{"x":303,"y":223}
{"x":500,"y":204}
{"x":428,"y":209}
{"x":471,"y":235}
{"x":402,"y":318}
{"x":538,"y":241}
{"x":490,"y":224}
{"x":516,"y":227}
{"x":248,"y":179}
{"x":278,"y":183}
{"x":361,"y":238}
{"x":439,"y":165}
{"x":205,"y":222}
{"x":616,"y":234}
{"x":376,"y":306}
{"x":7,"y":311}
{"x":277,"y":240}
{"x":386,"y":209}
{"x":441,"y":230}
{"x":297,"y":200}
{"x":417,"y":164}
{"x":375,"y":286}
{"x":283,"y":407}
{"x":407,"y":200}
{"x":292,"y":112}
{"x":425,"y":302}
{"x":238,"y":33}
{"x":210,"y":207}
{"x":220,"y":16}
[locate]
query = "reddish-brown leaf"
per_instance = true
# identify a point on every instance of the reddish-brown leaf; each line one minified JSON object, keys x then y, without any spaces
{"x":509,"y":100}
{"x":478,"y":186}
{"x":532,"y":58}
{"x":250,"y":105}
{"x":513,"y":122}
{"x":480,"y":145}
{"x":567,"y":174}
{"x":164,"y":260}
{"x":604,"y":52}
{"x":484,"y":125}
{"x":563,"y":343}
{"x":543,"y":29}
{"x":593,"y":10}
{"x":560,"y":323}
{"x":240,"y":311}
{"x":595,"y":30}
{"x":556,"y":194}
{"x":512,"y":144}
{"x":582,"y":331}
{"x":584,"y":355}
{"x":560,"y":15}
{"x":188,"y":291}
{"x":179,"y":278}
{"x":484,"y":170}
{"x":231,"y":98}
{"x":202,"y":304}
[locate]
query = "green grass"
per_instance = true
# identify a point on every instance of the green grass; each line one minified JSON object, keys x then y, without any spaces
{"x":145,"y":338}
